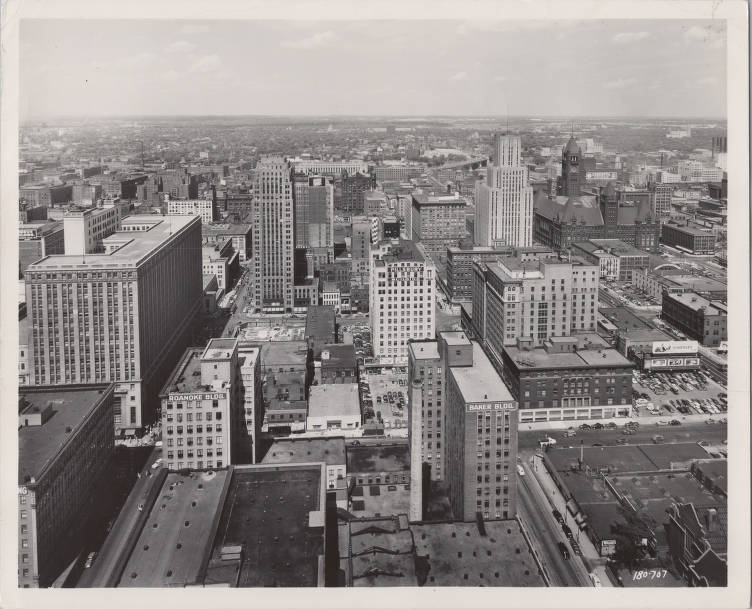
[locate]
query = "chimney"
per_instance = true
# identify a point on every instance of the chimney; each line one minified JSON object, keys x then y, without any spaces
{"x":711,"y":519}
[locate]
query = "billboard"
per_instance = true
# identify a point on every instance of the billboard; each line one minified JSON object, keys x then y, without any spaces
{"x":608,"y":547}
{"x":674,"y":347}
{"x":193,"y":397}
{"x":671,"y":362}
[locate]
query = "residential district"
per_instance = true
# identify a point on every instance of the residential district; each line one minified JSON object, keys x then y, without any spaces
{"x":372,"y":352}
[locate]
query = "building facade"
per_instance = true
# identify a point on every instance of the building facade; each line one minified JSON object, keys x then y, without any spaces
{"x":204,"y":208}
{"x":273,"y":236}
{"x":330,"y":168}
{"x":202,"y":409}
{"x":314,"y":216}
{"x":438,"y":221}
{"x":86,"y":228}
{"x":688,"y":238}
{"x":569,"y":378}
{"x":699,"y":318}
{"x":504,"y":204}
{"x":533,"y":300}
{"x":354,"y":188}
{"x":459,"y":268}
{"x":66,"y":443}
{"x":481,"y":441}
{"x":121,"y":317}
{"x":37,"y":240}
{"x":402,"y":300}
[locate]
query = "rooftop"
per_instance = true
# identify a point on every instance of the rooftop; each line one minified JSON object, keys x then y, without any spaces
{"x":281,"y":353}
{"x":334,"y":400}
{"x":696,"y":302}
{"x":338,"y":356}
{"x":455,"y":339}
{"x":690,"y":230}
{"x":624,"y":319}
{"x":424,"y":349}
{"x":220,"y":348}
{"x":327,"y":450}
{"x":38,"y":445}
{"x":613,"y":246}
{"x":186,"y":377}
{"x":141,"y":244}
{"x":172,"y":547}
{"x":378,"y":456}
{"x":275,"y":513}
{"x":405,"y":251}
{"x":480,"y":382}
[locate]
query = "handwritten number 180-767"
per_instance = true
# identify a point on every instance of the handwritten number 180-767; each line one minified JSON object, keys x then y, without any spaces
{"x":649,"y":574}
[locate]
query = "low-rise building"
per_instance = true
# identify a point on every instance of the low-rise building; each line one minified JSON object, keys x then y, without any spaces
{"x":320,"y":328}
{"x":204,"y":208}
{"x":221,"y":260}
{"x":65,"y":444}
{"x":240,"y":235}
{"x":334,"y":407}
{"x":338,"y":364}
{"x":37,"y":240}
{"x":688,"y":238}
{"x":699,"y":318}
{"x":285,"y":406}
{"x":330,"y":296}
{"x":618,"y":261}
{"x":569,"y":378}
{"x":698,"y":542}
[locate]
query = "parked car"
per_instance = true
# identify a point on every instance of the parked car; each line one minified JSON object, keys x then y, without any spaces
{"x":564,"y":550}
{"x":675,"y":422}
{"x":584,"y":426}
{"x":90,"y":560}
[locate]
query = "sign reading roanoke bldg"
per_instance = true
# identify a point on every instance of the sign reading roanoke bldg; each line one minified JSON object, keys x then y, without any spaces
{"x":194,"y":397}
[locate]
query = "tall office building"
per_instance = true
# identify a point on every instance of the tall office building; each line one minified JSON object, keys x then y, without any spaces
{"x":203,"y":415}
{"x":314,"y":217}
{"x":481,"y":439}
{"x":533,"y":300}
{"x":273,"y":236}
{"x":354,"y":188}
{"x":504,"y":204}
{"x":402,"y":299}
{"x":660,"y":198}
{"x":360,"y":246}
{"x":123,"y":316}
{"x":65,"y":447}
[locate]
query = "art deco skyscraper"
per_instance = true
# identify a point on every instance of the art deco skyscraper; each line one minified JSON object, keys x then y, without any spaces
{"x":273,"y":236}
{"x":504,"y":204}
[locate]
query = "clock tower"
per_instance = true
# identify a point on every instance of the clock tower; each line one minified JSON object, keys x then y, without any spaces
{"x":572,"y":172}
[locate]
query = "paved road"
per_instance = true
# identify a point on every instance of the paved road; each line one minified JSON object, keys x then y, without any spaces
{"x":713,"y":434}
{"x":545,"y":533}
{"x":104,"y":571}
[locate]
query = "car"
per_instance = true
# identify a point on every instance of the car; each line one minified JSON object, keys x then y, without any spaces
{"x":90,"y":560}
{"x":621,"y":441}
{"x":661,"y":422}
{"x":658,"y":439}
{"x":156,"y":463}
{"x":597,"y":444}
{"x":674,"y":422}
{"x":584,"y":426}
{"x":611,"y":425}
{"x":563,"y":549}
{"x":703,"y":443}
{"x":576,"y":548}
{"x":520,"y":470}
{"x":567,"y":531}
{"x":598,"y":426}
{"x":709,"y":421}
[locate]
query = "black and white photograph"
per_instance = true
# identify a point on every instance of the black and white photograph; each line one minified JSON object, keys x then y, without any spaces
{"x":423,"y":300}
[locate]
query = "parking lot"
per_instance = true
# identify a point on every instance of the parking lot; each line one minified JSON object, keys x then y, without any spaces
{"x":384,"y":395}
{"x":359,"y":333}
{"x":627,"y":294}
{"x":678,"y":393}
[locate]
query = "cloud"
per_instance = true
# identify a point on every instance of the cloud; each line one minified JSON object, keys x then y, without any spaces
{"x":712,"y":35}
{"x":621,"y":83}
{"x":319,"y":39}
{"x":139,"y":60}
{"x":511,"y":25}
{"x":190,"y":29}
{"x":458,"y":76}
{"x":207,"y":63}
{"x":180,"y":46}
{"x":627,"y":37}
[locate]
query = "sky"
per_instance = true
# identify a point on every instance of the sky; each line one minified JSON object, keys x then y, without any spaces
{"x":448,"y":67}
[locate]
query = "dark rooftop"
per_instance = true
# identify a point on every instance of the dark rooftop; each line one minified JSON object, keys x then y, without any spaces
{"x":307,"y":450}
{"x":405,"y":251}
{"x":380,"y":456}
{"x":320,"y":323}
{"x":275,"y":513}
{"x":38,"y":445}
{"x":284,"y":353}
{"x":340,"y":356}
{"x":624,"y":319}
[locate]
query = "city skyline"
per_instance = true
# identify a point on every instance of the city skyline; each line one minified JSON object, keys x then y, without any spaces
{"x":616,"y":68}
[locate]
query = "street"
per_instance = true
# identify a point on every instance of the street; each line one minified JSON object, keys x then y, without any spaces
{"x":545,"y":533}
{"x":693,"y":432}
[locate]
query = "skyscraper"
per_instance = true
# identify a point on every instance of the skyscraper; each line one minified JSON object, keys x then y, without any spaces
{"x":273,"y":238}
{"x":123,"y":316}
{"x":314,"y":216}
{"x":504,"y":204}
{"x":402,"y":300}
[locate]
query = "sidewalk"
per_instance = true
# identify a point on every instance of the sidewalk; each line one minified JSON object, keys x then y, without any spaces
{"x":592,"y":561}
